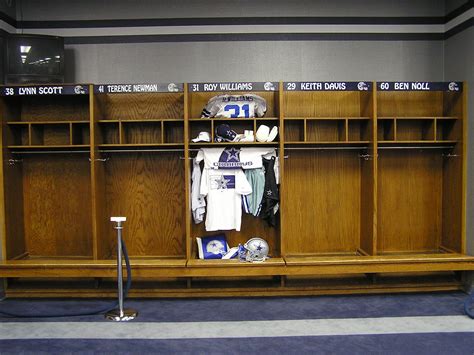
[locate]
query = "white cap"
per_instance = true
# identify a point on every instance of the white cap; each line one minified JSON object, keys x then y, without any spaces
{"x":202,"y":137}
{"x":272,"y":135}
{"x":262,"y":133}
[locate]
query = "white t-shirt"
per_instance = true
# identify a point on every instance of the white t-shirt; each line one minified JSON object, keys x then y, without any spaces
{"x":223,"y":190}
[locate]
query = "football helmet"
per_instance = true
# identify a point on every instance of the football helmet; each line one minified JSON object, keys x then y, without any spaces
{"x":257,"y":250}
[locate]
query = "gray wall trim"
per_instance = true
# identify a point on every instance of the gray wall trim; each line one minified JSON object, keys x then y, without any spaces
{"x":244,"y":21}
{"x":249,"y":37}
{"x":459,"y":28}
{"x":233,"y":21}
{"x":459,"y":11}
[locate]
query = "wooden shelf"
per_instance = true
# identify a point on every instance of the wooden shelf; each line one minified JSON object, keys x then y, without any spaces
{"x":325,"y":118}
{"x":205,"y":119}
{"x":210,"y":144}
{"x":419,"y":118}
{"x":42,"y":147}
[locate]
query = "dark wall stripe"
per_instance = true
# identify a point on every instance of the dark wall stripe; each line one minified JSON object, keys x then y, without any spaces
{"x":10,"y":20}
{"x":459,"y":28}
{"x":460,"y":10}
{"x":257,"y":37}
{"x":232,"y":21}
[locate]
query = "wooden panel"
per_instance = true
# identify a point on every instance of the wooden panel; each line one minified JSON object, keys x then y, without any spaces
{"x":321,"y":202}
{"x":141,"y":106}
{"x":322,"y":104}
{"x":453,"y":103}
{"x":367,"y":206}
{"x":409,"y":204}
{"x":57,"y":205}
{"x":198,"y":100}
{"x":148,"y":189}
{"x":14,"y":220}
{"x":452,"y":202}
{"x":410,"y":104}
{"x":55,"y":108}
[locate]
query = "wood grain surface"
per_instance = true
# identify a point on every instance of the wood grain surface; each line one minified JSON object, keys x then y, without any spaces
{"x":54,"y":108}
{"x":321,"y":202}
{"x":148,"y":189}
{"x":57,"y":210}
{"x":409,"y":104}
{"x":141,"y":106}
{"x":409,"y":201}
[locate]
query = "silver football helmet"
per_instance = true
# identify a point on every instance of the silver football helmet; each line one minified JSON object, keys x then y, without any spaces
{"x":257,"y":250}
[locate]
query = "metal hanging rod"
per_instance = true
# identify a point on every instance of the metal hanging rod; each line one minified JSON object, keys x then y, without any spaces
{"x":418,"y":147}
{"x":49,"y":151}
{"x":325,"y":148}
{"x":139,"y":150}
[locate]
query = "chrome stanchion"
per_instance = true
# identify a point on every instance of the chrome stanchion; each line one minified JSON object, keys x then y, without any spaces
{"x":120,"y":314}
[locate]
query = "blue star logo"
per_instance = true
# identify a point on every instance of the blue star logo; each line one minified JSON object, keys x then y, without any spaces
{"x":232,"y":154}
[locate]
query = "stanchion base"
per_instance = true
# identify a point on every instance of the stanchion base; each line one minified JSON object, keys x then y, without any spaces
{"x":128,"y":314}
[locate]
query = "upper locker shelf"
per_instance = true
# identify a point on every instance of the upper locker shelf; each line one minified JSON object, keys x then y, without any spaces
{"x":245,"y":107}
{"x":419,"y":113}
{"x":47,"y":117}
{"x":139,"y":116}
{"x":328,"y":113}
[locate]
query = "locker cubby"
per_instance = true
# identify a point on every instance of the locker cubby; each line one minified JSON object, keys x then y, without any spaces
{"x":173,"y":132}
{"x":80,"y":133}
{"x":18,"y":134}
{"x":415,"y":130}
{"x":386,"y":129}
{"x":330,"y":130}
{"x":359,"y":130}
{"x":109,"y":133}
{"x":141,"y":132}
{"x":294,"y":131}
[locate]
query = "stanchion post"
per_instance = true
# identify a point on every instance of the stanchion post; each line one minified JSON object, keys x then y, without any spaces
{"x":120,"y":314}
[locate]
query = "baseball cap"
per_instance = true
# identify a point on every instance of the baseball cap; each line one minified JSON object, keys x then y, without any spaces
{"x":262,"y":133}
{"x":224,"y":133}
{"x":202,"y":137}
{"x":272,"y":135}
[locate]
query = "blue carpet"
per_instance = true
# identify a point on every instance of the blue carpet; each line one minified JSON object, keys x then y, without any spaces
{"x":459,"y":343}
{"x":325,"y":308}
{"x":240,"y":309}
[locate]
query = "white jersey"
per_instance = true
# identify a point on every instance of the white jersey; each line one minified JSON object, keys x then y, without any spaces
{"x":224,"y":189}
{"x":235,"y":106}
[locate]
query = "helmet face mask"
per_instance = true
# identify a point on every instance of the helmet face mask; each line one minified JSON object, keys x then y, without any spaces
{"x":257,"y":250}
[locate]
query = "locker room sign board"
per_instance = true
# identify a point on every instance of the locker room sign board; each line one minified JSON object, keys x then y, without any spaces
{"x":44,"y":90}
{"x":327,"y":86}
{"x":419,"y":86}
{"x":137,"y":88}
{"x":233,"y":86}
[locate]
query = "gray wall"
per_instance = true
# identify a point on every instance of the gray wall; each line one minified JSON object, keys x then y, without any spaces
{"x":459,"y":65}
{"x":255,"y":61}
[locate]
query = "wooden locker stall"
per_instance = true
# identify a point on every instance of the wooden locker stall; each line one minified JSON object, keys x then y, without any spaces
{"x":46,"y":175}
{"x":138,"y":142}
{"x":328,"y":176}
{"x":421,"y":185}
